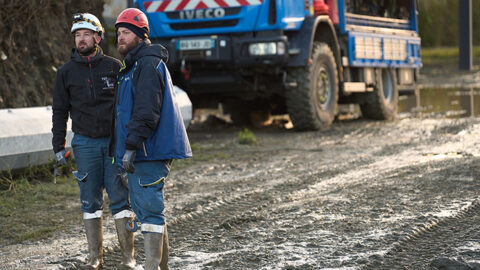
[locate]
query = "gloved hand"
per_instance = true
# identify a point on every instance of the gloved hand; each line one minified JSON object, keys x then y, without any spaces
{"x":62,"y":157}
{"x":127,"y":161}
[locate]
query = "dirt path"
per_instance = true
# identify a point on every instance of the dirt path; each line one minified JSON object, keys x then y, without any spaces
{"x":369,"y":195}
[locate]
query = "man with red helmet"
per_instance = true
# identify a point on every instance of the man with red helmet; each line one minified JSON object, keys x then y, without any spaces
{"x":85,"y":91}
{"x":149,"y":130}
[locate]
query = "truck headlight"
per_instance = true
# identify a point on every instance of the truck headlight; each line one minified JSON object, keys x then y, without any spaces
{"x":268,"y":48}
{"x":281,"y":50}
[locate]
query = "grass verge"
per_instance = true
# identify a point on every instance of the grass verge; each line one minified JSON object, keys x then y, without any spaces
{"x":446,"y":55}
{"x":33,"y":208}
{"x":36,"y":210}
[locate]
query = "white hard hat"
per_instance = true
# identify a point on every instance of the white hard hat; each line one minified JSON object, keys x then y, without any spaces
{"x":87,"y":21}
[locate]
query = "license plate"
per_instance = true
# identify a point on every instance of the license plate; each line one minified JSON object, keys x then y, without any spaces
{"x":195,"y":44}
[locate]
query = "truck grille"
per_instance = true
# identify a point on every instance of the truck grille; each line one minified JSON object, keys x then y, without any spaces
{"x":201,"y":25}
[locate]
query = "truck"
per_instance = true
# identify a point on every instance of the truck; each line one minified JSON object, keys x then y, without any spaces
{"x":297,"y":57}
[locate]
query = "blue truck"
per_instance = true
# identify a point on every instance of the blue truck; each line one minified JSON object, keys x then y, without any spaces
{"x":301,"y":57}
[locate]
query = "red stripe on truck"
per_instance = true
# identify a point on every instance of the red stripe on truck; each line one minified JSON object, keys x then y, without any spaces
{"x":163,"y":6}
{"x":201,"y":5}
{"x":221,"y":3}
{"x":182,"y":5}
{"x":147,"y":4}
{"x":177,"y":5}
{"x":243,"y":2}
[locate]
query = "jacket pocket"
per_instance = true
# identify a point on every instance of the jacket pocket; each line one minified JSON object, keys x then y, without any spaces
{"x":151,"y":181}
{"x":81,"y":177}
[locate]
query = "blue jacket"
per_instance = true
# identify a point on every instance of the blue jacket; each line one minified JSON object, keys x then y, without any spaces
{"x":147,"y":116}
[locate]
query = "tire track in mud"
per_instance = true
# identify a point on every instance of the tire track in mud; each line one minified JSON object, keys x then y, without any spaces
{"x":423,"y":244}
{"x":251,"y":206}
{"x":302,"y":194}
{"x":249,"y":202}
{"x":235,"y":209}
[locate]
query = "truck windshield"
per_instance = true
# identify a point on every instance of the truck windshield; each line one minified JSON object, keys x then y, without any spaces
{"x":393,"y":9}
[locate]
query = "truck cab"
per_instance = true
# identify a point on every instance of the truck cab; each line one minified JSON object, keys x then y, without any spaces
{"x":301,"y":57}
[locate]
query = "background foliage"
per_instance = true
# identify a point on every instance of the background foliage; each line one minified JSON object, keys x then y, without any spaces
{"x":35,"y":40}
{"x":438,"y":22}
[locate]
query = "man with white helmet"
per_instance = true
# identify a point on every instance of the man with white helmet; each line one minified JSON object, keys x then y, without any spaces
{"x":84,"y":89}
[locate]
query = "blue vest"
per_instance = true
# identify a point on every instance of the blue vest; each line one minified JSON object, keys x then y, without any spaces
{"x":169,"y":140}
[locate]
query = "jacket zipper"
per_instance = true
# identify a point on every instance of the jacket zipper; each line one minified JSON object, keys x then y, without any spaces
{"x":90,"y":81}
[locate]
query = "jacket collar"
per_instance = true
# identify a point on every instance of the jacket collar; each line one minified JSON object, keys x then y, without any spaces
{"x":134,"y":55}
{"x":75,"y":56}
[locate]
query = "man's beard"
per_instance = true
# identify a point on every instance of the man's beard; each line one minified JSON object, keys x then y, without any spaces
{"x":87,"y":50}
{"x":127,"y":47}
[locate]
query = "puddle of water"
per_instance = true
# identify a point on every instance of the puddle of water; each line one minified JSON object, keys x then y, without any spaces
{"x":448,"y":102}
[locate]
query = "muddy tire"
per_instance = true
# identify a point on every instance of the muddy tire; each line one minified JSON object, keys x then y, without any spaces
{"x":382,"y":103}
{"x":313,"y":104}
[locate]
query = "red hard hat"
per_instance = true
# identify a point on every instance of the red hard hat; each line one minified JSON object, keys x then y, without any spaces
{"x":135,"y":17}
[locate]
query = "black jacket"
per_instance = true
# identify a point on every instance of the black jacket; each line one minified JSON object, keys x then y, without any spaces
{"x":85,"y":88}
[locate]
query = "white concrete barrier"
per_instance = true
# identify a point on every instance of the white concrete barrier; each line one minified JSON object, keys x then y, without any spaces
{"x":26,"y":136}
{"x":185,"y":105}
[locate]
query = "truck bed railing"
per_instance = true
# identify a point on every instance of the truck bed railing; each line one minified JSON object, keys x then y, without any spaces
{"x":364,"y":20}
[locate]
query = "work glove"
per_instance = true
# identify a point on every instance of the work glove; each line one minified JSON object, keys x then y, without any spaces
{"x":61,"y":157}
{"x":127,"y":161}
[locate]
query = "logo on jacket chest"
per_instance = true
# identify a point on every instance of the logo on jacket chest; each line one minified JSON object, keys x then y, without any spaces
{"x":108,"y":82}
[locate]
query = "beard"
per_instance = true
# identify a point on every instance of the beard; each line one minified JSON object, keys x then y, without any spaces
{"x":124,"y":48}
{"x":85,"y":50}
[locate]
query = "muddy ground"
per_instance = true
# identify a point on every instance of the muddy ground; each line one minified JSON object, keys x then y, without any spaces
{"x":362,"y":195}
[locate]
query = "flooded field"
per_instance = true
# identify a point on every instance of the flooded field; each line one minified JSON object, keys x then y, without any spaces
{"x":442,"y":102}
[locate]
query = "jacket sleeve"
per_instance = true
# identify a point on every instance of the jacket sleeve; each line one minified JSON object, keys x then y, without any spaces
{"x":60,"y":108}
{"x":149,"y":89}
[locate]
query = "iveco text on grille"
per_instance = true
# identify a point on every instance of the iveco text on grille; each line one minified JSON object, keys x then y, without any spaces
{"x":202,"y":14}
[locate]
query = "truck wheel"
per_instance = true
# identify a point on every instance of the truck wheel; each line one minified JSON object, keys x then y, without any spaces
{"x":382,"y":103}
{"x":313,"y":104}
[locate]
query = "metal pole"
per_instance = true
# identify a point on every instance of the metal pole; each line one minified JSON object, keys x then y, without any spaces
{"x":465,"y":34}
{"x":472,"y":102}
